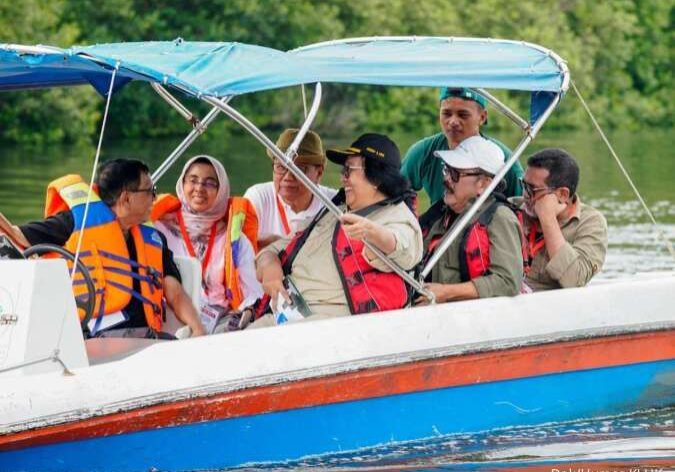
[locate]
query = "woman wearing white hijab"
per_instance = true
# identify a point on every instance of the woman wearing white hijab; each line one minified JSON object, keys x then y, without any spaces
{"x":219,"y":230}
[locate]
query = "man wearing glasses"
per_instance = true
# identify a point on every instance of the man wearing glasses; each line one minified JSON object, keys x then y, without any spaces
{"x":461,"y":114}
{"x":284,"y":205}
{"x":130,"y":261}
{"x":486,"y":260}
{"x":567,"y":240}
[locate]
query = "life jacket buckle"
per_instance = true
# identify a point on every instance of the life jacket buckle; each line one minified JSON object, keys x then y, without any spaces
{"x":355,"y":279}
{"x":345,"y":251}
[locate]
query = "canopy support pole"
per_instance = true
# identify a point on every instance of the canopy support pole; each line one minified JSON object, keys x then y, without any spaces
{"x":459,"y":226}
{"x":189,"y":139}
{"x":175,"y":104}
{"x":287,"y":161}
{"x":505,"y":110}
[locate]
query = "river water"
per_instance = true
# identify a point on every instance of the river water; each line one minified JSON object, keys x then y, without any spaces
{"x":644,"y":441}
{"x":635,"y":245}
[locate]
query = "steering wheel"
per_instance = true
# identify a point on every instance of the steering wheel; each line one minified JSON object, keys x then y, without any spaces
{"x":86,"y":304}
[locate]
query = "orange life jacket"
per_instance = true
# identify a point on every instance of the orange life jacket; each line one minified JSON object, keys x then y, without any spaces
{"x":104,"y":252}
{"x":241,"y":219}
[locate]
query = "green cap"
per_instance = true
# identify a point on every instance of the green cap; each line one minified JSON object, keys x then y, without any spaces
{"x":310,"y":151}
{"x":464,"y":93}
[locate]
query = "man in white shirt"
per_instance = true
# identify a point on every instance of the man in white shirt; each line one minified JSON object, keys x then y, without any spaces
{"x":284,"y":205}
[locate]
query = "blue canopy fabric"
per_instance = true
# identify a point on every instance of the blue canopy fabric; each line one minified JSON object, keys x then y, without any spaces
{"x":436,"y":62}
{"x":203,"y":68}
{"x":222,"y":69}
{"x":50,"y":67}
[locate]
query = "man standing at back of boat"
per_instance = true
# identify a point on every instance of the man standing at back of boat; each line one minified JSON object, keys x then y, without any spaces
{"x":567,"y":240}
{"x":285,"y":206}
{"x":462,"y":112}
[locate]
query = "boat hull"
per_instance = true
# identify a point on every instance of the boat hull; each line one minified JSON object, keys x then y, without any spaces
{"x":516,"y":387}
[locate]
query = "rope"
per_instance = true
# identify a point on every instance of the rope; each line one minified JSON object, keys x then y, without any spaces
{"x":86,"y":205}
{"x":649,"y":213}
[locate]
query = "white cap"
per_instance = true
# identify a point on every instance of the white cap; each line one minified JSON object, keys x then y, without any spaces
{"x":474,"y":152}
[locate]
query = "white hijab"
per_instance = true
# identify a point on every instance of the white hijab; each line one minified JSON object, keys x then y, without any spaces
{"x":199,"y":224}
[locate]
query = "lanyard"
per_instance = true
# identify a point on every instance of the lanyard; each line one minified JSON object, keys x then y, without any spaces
{"x":534,"y":244}
{"x":188,"y":243}
{"x":282,"y":214}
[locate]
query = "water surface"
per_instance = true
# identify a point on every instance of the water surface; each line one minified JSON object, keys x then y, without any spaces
{"x":635,"y":245}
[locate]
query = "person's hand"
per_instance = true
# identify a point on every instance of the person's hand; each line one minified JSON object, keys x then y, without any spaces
{"x":272,"y":280}
{"x":439,"y":291}
{"x":197,"y":330}
{"x":549,"y":207}
{"x":357,"y":227}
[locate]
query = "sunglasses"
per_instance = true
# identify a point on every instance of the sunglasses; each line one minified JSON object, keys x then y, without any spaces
{"x":529,"y":190}
{"x":346,"y":171}
{"x":456,"y":174}
{"x":152,"y":190}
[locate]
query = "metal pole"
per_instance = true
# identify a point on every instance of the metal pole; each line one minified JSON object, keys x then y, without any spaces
{"x":304,"y":99}
{"x":189,"y":139}
{"x":459,"y":226}
{"x":178,"y":106}
{"x":290,"y":165}
{"x":292,"y":150}
{"x":515,"y":117}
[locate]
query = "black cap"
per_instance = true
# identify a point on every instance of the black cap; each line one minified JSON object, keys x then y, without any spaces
{"x":371,"y":146}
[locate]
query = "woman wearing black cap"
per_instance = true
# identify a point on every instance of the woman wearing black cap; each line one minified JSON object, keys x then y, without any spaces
{"x":328,"y":262}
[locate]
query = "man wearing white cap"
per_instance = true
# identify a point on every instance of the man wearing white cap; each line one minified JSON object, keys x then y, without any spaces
{"x":486,"y":260}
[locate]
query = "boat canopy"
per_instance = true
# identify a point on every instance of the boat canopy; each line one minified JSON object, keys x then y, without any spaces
{"x":228,"y":69}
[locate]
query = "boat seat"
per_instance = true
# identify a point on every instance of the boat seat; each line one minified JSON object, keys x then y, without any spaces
{"x":191,"y":274}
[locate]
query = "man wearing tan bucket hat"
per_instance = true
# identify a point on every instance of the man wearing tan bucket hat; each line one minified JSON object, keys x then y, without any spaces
{"x":284,"y":205}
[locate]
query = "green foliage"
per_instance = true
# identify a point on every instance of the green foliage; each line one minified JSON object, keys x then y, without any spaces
{"x":620,"y":54}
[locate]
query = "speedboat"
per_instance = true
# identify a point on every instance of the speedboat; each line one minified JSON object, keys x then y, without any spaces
{"x":308,"y":389}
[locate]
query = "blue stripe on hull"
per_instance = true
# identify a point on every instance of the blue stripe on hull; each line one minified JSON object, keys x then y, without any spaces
{"x":357,"y":424}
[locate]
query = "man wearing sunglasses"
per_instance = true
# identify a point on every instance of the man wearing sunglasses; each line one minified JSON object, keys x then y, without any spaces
{"x":284,"y":205}
{"x":462,"y":113}
{"x":130,"y":261}
{"x":486,"y":260}
{"x":567,"y":240}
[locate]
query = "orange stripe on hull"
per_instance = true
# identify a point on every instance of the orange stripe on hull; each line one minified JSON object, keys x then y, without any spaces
{"x":370,"y":383}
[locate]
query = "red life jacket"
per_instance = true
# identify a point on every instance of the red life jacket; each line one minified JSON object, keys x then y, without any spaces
{"x":474,"y":248}
{"x":367,"y":289}
{"x":474,"y":260}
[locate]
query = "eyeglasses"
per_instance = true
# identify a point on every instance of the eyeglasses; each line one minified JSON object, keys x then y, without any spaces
{"x":529,"y":190}
{"x":208,"y":184}
{"x":280,"y":169}
{"x":151,"y":190}
{"x":456,"y":174}
{"x":347,"y":170}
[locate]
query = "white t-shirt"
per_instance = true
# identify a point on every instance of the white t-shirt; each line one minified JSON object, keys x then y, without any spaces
{"x":264,"y":199}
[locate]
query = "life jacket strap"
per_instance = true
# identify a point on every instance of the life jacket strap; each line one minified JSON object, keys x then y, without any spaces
{"x":157,"y":309}
{"x":154,"y":276}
